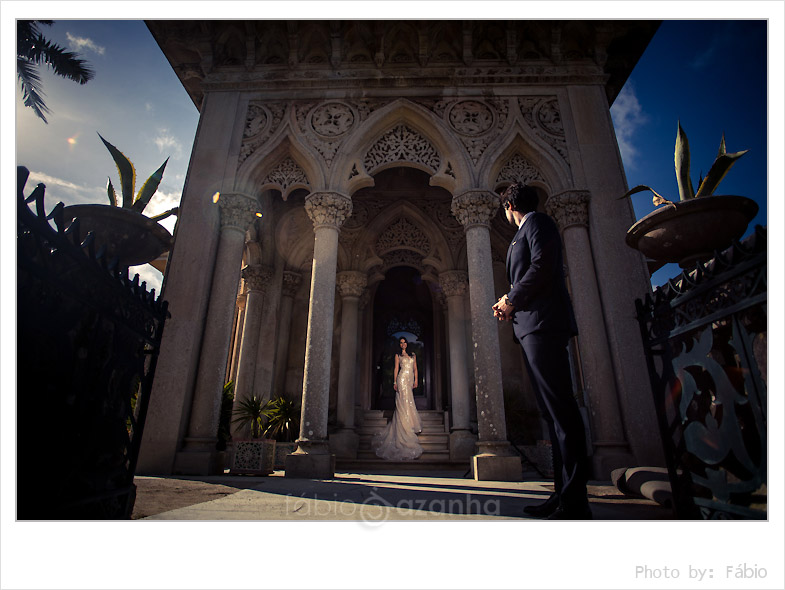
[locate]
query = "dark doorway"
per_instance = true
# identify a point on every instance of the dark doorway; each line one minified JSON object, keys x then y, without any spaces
{"x":402,"y":307}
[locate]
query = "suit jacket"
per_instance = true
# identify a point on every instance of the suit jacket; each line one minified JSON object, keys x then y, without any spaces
{"x":535,"y":270}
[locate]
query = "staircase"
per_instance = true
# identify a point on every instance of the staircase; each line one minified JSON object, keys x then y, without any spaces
{"x":434,"y":439}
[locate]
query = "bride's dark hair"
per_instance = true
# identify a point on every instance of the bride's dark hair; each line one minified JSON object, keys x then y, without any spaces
{"x":405,"y":340}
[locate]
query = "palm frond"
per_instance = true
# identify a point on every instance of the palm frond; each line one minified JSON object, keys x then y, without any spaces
{"x":32,"y":93}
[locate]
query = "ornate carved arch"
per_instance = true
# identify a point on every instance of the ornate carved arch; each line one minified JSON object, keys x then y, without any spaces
{"x":401,"y":133}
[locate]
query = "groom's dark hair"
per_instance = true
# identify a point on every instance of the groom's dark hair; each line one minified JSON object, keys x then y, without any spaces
{"x":522,"y":197}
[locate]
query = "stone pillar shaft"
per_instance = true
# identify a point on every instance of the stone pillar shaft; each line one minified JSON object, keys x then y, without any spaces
{"x":312,"y":458}
{"x":291,"y":281}
{"x":495,"y":460}
{"x":256,"y":279}
{"x":571,"y":210}
{"x":454,"y":286}
{"x":199,"y":455}
{"x":351,"y":285}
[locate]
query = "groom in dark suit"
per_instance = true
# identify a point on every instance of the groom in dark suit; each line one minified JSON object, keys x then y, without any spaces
{"x":539,"y":307}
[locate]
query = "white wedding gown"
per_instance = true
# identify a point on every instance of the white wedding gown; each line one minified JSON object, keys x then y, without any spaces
{"x":398,"y":441}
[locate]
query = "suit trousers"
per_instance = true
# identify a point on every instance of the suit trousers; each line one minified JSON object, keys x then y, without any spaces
{"x":548,"y":364}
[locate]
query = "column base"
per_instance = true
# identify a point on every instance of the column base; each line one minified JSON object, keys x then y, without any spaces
{"x":310,"y":466}
{"x":496,"y":468}
{"x":462,"y":445}
{"x":344,"y":444}
{"x":199,"y":463}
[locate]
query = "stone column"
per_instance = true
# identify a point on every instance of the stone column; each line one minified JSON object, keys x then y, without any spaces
{"x":610,"y":449}
{"x":256,"y":277}
{"x":291,"y":282}
{"x":313,"y":459}
{"x":198,"y":455}
{"x":345,"y":442}
{"x":495,"y":459}
{"x":453,"y":284}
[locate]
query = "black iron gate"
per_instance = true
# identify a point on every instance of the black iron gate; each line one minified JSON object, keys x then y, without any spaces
{"x":87,"y":344}
{"x":705,"y":338}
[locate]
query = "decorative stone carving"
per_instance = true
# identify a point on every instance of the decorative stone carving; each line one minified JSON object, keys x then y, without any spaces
{"x":401,"y":144}
{"x":257,"y":277}
{"x":402,"y":258}
{"x":291,"y":282}
{"x":543,"y":116}
{"x":569,"y":208}
{"x":475,"y":207}
{"x":237,"y":210}
{"x":453,"y":282}
{"x":328,"y":208}
{"x":351,"y":283}
{"x":518,"y":169}
{"x":261,"y":121}
{"x":332,"y":119}
{"x":286,"y":174}
{"x":470,"y":117}
{"x":403,"y":233}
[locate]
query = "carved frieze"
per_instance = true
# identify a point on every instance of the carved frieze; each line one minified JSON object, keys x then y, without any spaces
{"x":543,"y":116}
{"x":261,"y":121}
{"x":518,"y":169}
{"x":402,"y":144}
{"x":402,"y":258}
{"x":403,"y":233}
{"x":287,"y":173}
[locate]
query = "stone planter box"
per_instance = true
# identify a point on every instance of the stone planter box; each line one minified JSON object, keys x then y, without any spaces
{"x":255,"y":457}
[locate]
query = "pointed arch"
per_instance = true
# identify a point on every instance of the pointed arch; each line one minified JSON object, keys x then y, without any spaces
{"x":521,"y":148}
{"x":349,"y":172}
{"x":287,"y":166}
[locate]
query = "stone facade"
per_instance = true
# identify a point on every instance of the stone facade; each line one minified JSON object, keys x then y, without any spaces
{"x":371,"y":146}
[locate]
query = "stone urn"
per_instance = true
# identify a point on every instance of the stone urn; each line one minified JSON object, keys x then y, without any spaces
{"x":689,"y":231}
{"x":130,"y":236}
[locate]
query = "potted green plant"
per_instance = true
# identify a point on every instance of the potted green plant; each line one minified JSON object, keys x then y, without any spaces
{"x":283,"y":425}
{"x":255,"y":455}
{"x":700,"y":223}
{"x":120,"y":226}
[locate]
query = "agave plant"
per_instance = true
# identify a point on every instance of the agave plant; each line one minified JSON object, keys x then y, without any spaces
{"x":127,"y":174}
{"x":706,"y":186}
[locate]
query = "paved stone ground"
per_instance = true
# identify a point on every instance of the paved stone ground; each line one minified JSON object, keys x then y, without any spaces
{"x":370,"y":497}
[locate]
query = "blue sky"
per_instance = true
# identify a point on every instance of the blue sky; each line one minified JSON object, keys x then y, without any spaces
{"x":709,"y":75}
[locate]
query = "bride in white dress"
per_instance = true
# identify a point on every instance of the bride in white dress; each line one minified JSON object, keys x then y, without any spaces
{"x":398,"y":441}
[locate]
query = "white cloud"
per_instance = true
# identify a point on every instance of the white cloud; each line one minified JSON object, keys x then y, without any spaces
{"x":167,"y":142}
{"x":82,"y":43}
{"x":628,"y":117}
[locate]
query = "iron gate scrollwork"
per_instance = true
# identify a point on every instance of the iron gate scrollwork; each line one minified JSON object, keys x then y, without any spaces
{"x":87,"y":344}
{"x":704,"y":335}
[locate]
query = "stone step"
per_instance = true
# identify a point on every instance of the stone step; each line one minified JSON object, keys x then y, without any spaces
{"x":441,"y":455}
{"x":381,"y":466}
{"x":426,"y":429}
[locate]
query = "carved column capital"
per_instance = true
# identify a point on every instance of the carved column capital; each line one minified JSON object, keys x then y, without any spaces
{"x":291,"y":282}
{"x":351,"y":283}
{"x":453,"y":282}
{"x":330,"y":209}
{"x":569,"y":208}
{"x":475,"y":207}
{"x":257,"y":277}
{"x":238,"y":211}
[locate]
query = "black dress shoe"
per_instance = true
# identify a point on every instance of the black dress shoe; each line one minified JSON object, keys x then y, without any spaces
{"x":544,"y":509}
{"x":562,"y":513}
